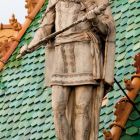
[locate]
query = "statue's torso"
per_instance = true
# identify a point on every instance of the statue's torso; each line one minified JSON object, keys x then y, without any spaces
{"x":67,"y":12}
{"x":75,"y":63}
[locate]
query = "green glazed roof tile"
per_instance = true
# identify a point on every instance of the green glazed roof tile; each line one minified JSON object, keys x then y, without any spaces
{"x":127,"y":41}
{"x":136,"y":123}
{"x":134,"y":115}
{"x":126,"y":137}
{"x":132,"y":130}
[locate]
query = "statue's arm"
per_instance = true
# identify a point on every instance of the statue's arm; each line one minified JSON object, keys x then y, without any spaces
{"x":46,"y":26}
{"x":101,"y":20}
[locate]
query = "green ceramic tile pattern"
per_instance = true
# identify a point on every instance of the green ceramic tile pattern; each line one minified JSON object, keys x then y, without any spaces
{"x":127,"y":45}
{"x":25,"y":102}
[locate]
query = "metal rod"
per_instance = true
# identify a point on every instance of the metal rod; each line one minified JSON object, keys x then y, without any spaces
{"x":96,"y":11}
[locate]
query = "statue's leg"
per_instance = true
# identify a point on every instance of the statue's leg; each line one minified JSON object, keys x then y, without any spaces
{"x":82,"y":124}
{"x":60,"y":96}
{"x":96,"y":106}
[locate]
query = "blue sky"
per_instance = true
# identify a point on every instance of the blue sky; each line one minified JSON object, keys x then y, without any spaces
{"x":8,"y":7}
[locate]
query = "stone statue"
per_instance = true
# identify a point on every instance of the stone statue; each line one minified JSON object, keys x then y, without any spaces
{"x":79,"y":65}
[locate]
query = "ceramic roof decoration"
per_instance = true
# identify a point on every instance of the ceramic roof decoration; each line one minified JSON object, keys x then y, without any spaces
{"x":25,"y":102}
{"x":18,"y":36}
{"x":30,"y":5}
{"x":127,"y":46}
{"x":8,"y":33}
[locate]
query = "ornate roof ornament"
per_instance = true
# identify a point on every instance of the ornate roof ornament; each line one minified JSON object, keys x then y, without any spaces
{"x":30,"y":5}
{"x":107,"y":135}
{"x":4,"y":47}
{"x":124,"y":106}
{"x":14,"y":23}
{"x":13,"y":31}
{"x":8,"y":34}
{"x":137,"y":63}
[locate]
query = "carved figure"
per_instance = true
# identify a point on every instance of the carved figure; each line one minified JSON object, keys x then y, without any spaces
{"x":79,"y":66}
{"x":107,"y":135}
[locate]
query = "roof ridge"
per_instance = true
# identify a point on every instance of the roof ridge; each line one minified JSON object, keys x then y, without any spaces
{"x":26,"y":24}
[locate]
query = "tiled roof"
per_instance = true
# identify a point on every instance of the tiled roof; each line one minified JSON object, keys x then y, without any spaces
{"x":126,"y":14}
{"x":8,"y":33}
{"x":25,"y":102}
{"x":30,"y":5}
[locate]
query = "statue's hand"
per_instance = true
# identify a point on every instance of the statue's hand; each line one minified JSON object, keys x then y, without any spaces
{"x":23,"y":49}
{"x":30,"y":46}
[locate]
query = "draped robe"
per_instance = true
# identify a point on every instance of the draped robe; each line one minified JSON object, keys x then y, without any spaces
{"x":80,"y":56}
